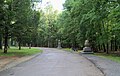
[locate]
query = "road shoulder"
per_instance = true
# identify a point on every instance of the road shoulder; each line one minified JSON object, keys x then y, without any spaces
{"x":9,"y":62}
{"x":108,"y":67}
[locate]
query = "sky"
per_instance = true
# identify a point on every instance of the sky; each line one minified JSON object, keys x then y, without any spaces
{"x":57,"y":4}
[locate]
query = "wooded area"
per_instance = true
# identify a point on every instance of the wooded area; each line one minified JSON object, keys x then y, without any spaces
{"x":95,"y":20}
{"x":18,"y":23}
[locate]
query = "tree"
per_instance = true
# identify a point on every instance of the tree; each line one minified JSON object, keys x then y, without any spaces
{"x":1,"y":21}
{"x":22,"y":11}
{"x":7,"y":18}
{"x":48,"y":27}
{"x":92,"y":20}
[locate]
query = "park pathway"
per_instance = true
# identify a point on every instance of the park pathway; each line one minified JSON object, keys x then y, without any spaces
{"x":54,"y":62}
{"x":109,"y":67}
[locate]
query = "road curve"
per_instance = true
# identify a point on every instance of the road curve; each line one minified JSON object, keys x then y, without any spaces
{"x":54,"y":62}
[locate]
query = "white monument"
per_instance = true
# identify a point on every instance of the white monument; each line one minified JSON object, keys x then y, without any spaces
{"x":87,"y":49}
{"x":59,"y":44}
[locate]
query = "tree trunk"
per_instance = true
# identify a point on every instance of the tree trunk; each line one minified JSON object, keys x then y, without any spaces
{"x":119,"y":47}
{"x":115,"y":45}
{"x":98,"y":47}
{"x":0,"y":41}
{"x":104,"y":47}
{"x":48,"y":43}
{"x":6,"y":40}
{"x":19,"y":44}
{"x":107,"y":49}
{"x":111,"y":45}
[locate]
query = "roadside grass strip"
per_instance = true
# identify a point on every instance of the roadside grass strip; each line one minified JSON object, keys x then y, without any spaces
{"x":112,"y":57}
{"x":25,"y":51}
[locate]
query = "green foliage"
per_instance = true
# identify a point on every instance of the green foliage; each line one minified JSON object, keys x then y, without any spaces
{"x":18,"y":22}
{"x":47,"y":29}
{"x":95,"y":20}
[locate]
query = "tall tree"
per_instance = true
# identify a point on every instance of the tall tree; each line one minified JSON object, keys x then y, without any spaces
{"x":94,"y":20}
{"x":1,"y":21}
{"x":21,"y":9}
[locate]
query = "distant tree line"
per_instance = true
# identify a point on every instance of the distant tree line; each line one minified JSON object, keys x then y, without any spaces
{"x":95,"y":20}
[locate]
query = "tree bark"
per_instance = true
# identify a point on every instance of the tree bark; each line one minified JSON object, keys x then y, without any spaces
{"x":107,"y":49}
{"x":6,"y":40}
{"x":19,"y":44}
{"x":111,"y":45}
{"x":104,"y":47}
{"x":0,"y":41}
{"x":115,"y":45}
{"x":98,"y":48}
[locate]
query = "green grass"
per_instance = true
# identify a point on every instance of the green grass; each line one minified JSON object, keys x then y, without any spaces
{"x":13,"y":51}
{"x":70,"y":50}
{"x":112,"y":57}
{"x":67,"y":49}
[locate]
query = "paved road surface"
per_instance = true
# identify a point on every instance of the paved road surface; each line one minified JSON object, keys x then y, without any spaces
{"x":54,"y":62}
{"x":110,"y":68}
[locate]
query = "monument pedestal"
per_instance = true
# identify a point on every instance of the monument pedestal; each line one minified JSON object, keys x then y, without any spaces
{"x":59,"y":47}
{"x":87,"y":49}
{"x":59,"y":44}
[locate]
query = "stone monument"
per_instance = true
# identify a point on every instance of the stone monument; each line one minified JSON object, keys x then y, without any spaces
{"x":87,"y":48}
{"x":59,"y":44}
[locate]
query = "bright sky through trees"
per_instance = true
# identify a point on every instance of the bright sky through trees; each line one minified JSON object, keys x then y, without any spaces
{"x":57,"y":4}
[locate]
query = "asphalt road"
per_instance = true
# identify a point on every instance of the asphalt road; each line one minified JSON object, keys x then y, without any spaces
{"x":109,"y":67}
{"x":54,"y":62}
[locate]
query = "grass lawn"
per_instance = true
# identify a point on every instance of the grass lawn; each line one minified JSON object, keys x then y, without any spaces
{"x":70,"y":50}
{"x":67,"y":49}
{"x":112,"y":57}
{"x":25,"y":51}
